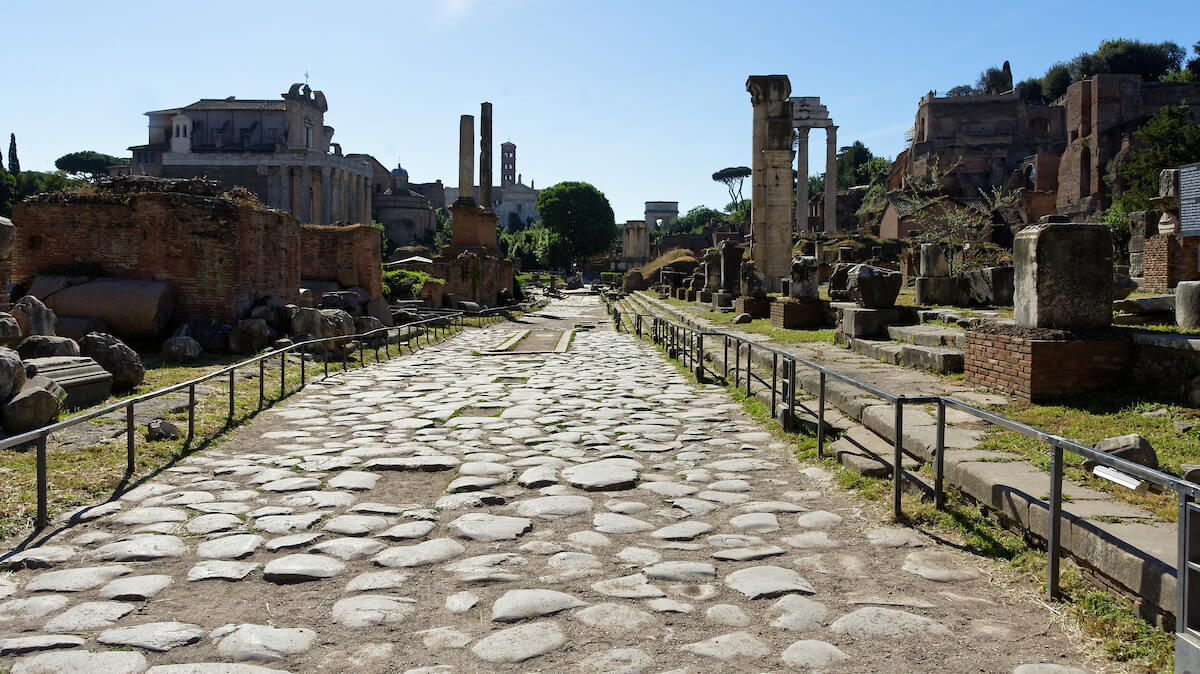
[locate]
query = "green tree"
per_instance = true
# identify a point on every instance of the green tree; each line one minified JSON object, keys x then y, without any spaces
{"x":1031,"y":91}
{"x":14,"y":164}
{"x":732,"y":178}
{"x":961,"y":90}
{"x":873,"y":171}
{"x":8,"y":192}
{"x":37,"y":182}
{"x":1056,"y":80}
{"x":87,"y":163}
{"x":1131,"y":57}
{"x":695,"y":220}
{"x":1168,"y":140}
{"x":1193,"y":65}
{"x":579,"y":220}
{"x":994,"y":81}
{"x":849,"y":159}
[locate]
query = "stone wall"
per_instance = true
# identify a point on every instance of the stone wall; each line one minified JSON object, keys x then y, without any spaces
{"x":217,"y":254}
{"x":324,"y":251}
{"x":1169,"y":259}
{"x":471,"y":276}
{"x":1041,"y":370}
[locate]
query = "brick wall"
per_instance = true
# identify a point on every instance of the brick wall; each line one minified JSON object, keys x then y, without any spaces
{"x":218,"y":255}
{"x":1041,"y":370}
{"x":1168,"y":259}
{"x":326,"y":249}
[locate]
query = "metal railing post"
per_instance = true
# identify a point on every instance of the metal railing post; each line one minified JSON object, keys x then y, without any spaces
{"x":725,"y":357}
{"x":130,"y":438}
{"x":43,"y":517}
{"x":898,"y":461}
{"x":231,"y":373}
{"x":820,"y":415}
{"x":303,"y":366}
{"x":191,"y":413}
{"x":737,"y":364}
{"x":749,"y":368}
{"x":261,"y":381}
{"x":282,"y":374}
{"x":1183,"y":572}
{"x":325,"y":358}
{"x":791,"y":370}
{"x":700,"y":357}
{"x":774,"y":381}
{"x":1055,"y":529}
{"x":939,"y":496}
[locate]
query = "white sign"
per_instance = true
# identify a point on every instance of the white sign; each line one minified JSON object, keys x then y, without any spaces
{"x":1189,"y":200}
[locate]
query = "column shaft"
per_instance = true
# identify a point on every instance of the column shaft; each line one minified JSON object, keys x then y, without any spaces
{"x":802,"y":181}
{"x":831,"y":180}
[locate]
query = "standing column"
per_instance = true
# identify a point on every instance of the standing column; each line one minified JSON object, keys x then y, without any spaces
{"x":485,"y":155}
{"x":802,"y":181}
{"x":466,"y":165}
{"x":306,"y":201}
{"x":285,"y":188}
{"x":830,"y":179}
{"x":771,"y":187}
{"x":325,"y":194}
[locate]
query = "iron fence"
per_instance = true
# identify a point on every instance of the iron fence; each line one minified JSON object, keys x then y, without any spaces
{"x":686,"y":344}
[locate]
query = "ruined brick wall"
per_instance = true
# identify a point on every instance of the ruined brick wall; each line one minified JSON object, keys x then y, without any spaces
{"x":326,"y":249}
{"x":1168,"y":259}
{"x":1164,"y":372}
{"x":1041,"y":370}
{"x":218,"y":255}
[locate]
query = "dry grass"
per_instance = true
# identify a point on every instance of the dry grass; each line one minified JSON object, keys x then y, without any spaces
{"x":675,"y":255}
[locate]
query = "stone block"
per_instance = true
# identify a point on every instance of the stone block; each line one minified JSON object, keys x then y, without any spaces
{"x":722,"y":300}
{"x":863,"y":322}
{"x":1123,"y":286}
{"x":757,"y":307}
{"x":803,"y":284}
{"x":115,"y":357}
{"x":10,"y":330}
{"x":942,"y":290}
{"x":132,"y":309}
{"x":1187,"y":305}
{"x":34,"y":317}
{"x":1137,"y":264}
{"x":1132,"y":447}
{"x":1063,"y":276}
{"x":937,"y":359}
{"x":181,"y":349}
{"x":250,"y":335}
{"x":933,"y":261}
{"x":874,"y":287}
{"x":12,"y":373}
{"x":991,"y":286}
{"x":45,"y":346}
{"x":34,"y":406}
{"x":82,"y":379}
{"x":839,"y":281}
{"x":793,"y":314}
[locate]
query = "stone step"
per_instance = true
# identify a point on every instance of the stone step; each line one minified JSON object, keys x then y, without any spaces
{"x":85,"y":382}
{"x":868,"y":454}
{"x":927,"y":335}
{"x":943,"y":360}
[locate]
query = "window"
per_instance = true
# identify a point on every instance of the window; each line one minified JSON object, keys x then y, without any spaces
{"x":185,"y":131}
{"x":308,"y":137}
{"x":177,"y":131}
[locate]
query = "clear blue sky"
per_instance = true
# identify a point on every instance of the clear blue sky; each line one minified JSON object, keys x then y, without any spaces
{"x":643,"y":99}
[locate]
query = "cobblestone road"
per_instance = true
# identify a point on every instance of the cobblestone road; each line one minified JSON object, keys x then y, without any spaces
{"x":452,"y":511}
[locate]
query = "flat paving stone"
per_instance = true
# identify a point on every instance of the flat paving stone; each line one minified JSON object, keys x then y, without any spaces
{"x":748,"y":554}
{"x":422,"y":554}
{"x":90,"y":615}
{"x":45,"y":642}
{"x":160,"y":636}
{"x":520,"y":643}
{"x":486,"y":528}
{"x":301,"y":568}
{"x":516,"y":605}
{"x":761,"y":582}
{"x":733,"y":647}
{"x":259,"y":643}
{"x":31,"y":607}
{"x":220,"y":570}
{"x":684,"y":531}
{"x":407,"y":531}
{"x":812,"y":654}
{"x":235,"y":546}
{"x":141,"y":548}
{"x":615,"y":618}
{"x":636,"y":586}
{"x":40,"y":557}
{"x":615,"y":523}
{"x":727,"y":615}
{"x":348,"y":549}
{"x":69,"y":662}
{"x":354,"y":525}
{"x":75,"y":580}
{"x":554,"y":507}
{"x":680,"y":571}
{"x":135,"y":588}
{"x":874,"y":622}
{"x":796,"y":613}
{"x":600,"y":476}
{"x":373,"y":609}
{"x":941,"y":567}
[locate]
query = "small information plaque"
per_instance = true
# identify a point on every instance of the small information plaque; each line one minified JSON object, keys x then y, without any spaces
{"x":1189,"y":200}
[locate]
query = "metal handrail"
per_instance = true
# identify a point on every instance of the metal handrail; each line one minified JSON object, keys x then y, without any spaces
{"x":41,"y":435}
{"x":665,"y":330}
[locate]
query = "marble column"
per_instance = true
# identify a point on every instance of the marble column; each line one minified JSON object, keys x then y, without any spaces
{"x":830,"y":179}
{"x":285,"y":188}
{"x":485,"y":155}
{"x":802,"y":181}
{"x":771,"y":179}
{"x":306,"y":202}
{"x":326,"y":193}
{"x":466,"y":163}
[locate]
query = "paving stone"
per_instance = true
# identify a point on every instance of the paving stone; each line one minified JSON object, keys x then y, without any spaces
{"x":373,"y":609}
{"x":728,"y":615}
{"x":616,"y":618}
{"x":876,"y":622}
{"x":669,"y":489}
{"x":487,"y":528}
{"x":588,"y":539}
{"x":810,"y":540}
{"x":421,"y":554}
{"x":356,"y":480}
{"x":444,"y":637}
{"x":421,"y":463}
{"x":376,"y":580}
{"x":354,"y":525}
{"x":819,"y":519}
{"x":291,"y":484}
{"x":141,"y":548}
{"x":461,"y":602}
{"x":348,"y":549}
{"x":730,"y":485}
{"x":520,"y":643}
{"x":755,"y":523}
{"x":160,"y":636}
{"x":639,"y":556}
{"x":407,"y":531}
{"x":684,"y":531}
{"x":554,"y":507}
{"x":471,"y":483}
{"x":665,"y":605}
{"x":220,"y":570}
{"x":735,"y":647}
{"x":538,"y":477}
{"x":615,"y":523}
{"x":293,"y":541}
{"x":895,"y":538}
{"x":40,"y":557}
{"x":31,"y":607}
{"x":621,"y":661}
{"x":516,"y":605}
{"x":695,"y":506}
{"x":813,"y":654}
{"x":260,"y":643}
{"x":90,"y":615}
{"x":140,"y":516}
{"x":795,"y":613}
{"x":636,"y":586}
{"x":283,"y":524}
{"x":938,"y":566}
{"x":20,"y":645}
{"x":135,"y":588}
{"x":229,"y":547}
{"x":680,"y":571}
{"x":742,"y":465}
{"x":75,"y":580}
{"x":301,"y":568}
{"x":317,"y":499}
{"x":748,"y":554}
{"x":212,"y":668}
{"x":603,"y":475}
{"x":69,"y":662}
{"x":760,"y":582}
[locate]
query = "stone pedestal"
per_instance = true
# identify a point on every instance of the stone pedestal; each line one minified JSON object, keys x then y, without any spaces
{"x":1187,"y":305}
{"x":942,"y":291}
{"x":722,"y":300}
{"x":472,"y":227}
{"x":757,"y":307}
{"x":861,"y":322}
{"x":799,"y":315}
{"x":730,"y":267}
{"x":805,"y":278}
{"x":1063,"y":276}
{"x":704,"y":297}
{"x":933,"y":261}
{"x":689,"y":295}
{"x":992,"y":286}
